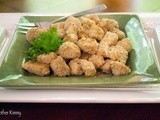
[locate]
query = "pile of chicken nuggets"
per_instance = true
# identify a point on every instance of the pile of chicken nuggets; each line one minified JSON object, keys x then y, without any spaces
{"x":92,"y":46}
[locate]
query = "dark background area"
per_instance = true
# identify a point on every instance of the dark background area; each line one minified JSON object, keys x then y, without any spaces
{"x":81,"y":111}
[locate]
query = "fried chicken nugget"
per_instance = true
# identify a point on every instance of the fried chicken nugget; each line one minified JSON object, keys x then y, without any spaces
{"x":88,"y":45}
{"x":37,"y":68}
{"x":59,"y":67}
{"x":33,"y":33}
{"x":97,"y":60}
{"x":120,"y":33}
{"x":96,"y":32}
{"x":60,"y":29}
{"x":72,"y":21}
{"x":108,"y":24}
{"x":71,"y":26}
{"x":83,"y":31}
{"x":86,"y":21}
{"x":69,"y":50}
{"x":103,"y":49}
{"x":125,"y":43}
{"x":71,"y":29}
{"x":71,"y":38}
{"x":118,"y":53}
{"x":88,"y":68}
{"x":119,"y":68}
{"x":75,"y":67}
{"x":93,"y":17}
{"x":46,"y":58}
{"x":106,"y":67}
{"x":110,"y":39}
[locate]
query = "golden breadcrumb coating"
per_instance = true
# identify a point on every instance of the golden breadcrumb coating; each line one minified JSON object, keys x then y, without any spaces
{"x":46,"y":58}
{"x":72,"y":21}
{"x":60,"y":28}
{"x":120,"y":33}
{"x":83,"y":31}
{"x":119,"y":68}
{"x":88,"y":68}
{"x":93,"y":17}
{"x":75,"y":67}
{"x":37,"y":68}
{"x":126,"y":44}
{"x":88,"y":45}
{"x":86,"y":21}
{"x":97,"y":60}
{"x":69,"y":50}
{"x":59,"y":67}
{"x":110,"y":39}
{"x":106,"y":67}
{"x":71,"y":27}
{"x":103,"y":49}
{"x":96,"y":32}
{"x":108,"y":24}
{"x":71,"y":38}
{"x":118,"y":53}
{"x":33,"y":33}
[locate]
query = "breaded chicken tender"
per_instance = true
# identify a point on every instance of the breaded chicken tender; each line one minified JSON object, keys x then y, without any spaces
{"x":71,"y":26}
{"x":60,"y":28}
{"x":110,"y":39}
{"x":69,"y":50}
{"x":71,"y":38}
{"x":118,"y":53}
{"x":88,"y":68}
{"x":120,"y":33}
{"x":108,"y":24}
{"x":75,"y":67}
{"x":83,"y":31}
{"x":59,"y":67}
{"x":106,"y":67}
{"x":37,"y":68}
{"x":96,"y":32}
{"x":103,"y":49}
{"x":33,"y":33}
{"x":88,"y":45}
{"x":97,"y":60}
{"x":119,"y":68}
{"x":93,"y":17}
{"x":72,"y":21}
{"x":46,"y":58}
{"x":87,"y":21}
{"x":125,"y":43}
{"x":71,"y":30}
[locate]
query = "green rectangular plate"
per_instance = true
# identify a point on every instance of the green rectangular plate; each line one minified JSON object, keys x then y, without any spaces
{"x":144,"y":70}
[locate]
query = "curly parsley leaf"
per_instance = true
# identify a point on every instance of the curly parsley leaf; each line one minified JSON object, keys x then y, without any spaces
{"x":47,"y":42}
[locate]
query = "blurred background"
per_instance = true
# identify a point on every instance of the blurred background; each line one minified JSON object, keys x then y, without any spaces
{"x":68,"y":6}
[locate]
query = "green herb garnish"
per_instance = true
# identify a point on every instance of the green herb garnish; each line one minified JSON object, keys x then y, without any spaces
{"x":47,"y":42}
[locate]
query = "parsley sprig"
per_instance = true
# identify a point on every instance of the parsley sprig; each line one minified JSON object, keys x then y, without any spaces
{"x":47,"y":42}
